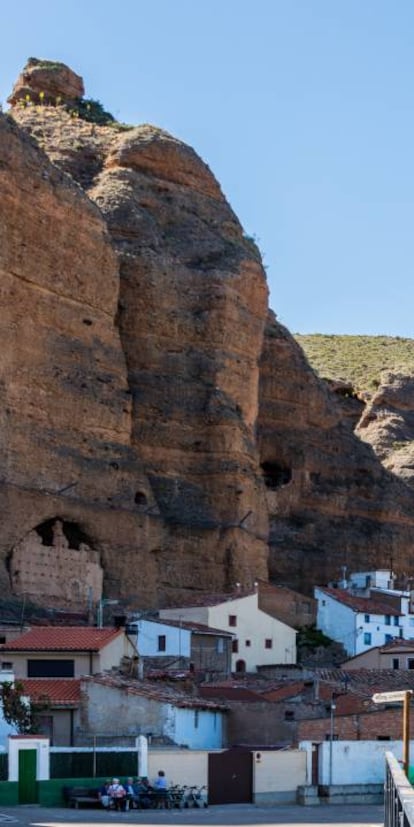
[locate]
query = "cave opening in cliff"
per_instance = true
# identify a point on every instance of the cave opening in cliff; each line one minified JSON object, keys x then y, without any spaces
{"x":140,"y":499}
{"x":275,"y":475}
{"x":72,"y":531}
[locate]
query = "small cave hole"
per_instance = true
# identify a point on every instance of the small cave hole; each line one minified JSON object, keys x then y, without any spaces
{"x":87,"y":322}
{"x":140,"y":499}
{"x":275,"y":475}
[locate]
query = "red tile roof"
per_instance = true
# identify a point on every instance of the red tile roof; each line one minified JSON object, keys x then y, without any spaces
{"x":58,"y":691}
{"x":363,"y":605}
{"x":190,"y":625}
{"x":284,"y":692}
{"x":397,"y":645}
{"x":230,"y":693}
{"x":62,"y":638}
{"x":153,"y":691}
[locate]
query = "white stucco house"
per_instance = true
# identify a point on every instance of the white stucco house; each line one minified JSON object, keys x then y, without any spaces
{"x":177,"y":643}
{"x":358,"y":622}
{"x":127,"y":707}
{"x":259,"y":638}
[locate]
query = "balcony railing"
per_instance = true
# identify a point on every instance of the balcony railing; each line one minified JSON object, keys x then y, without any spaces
{"x":398,"y":795}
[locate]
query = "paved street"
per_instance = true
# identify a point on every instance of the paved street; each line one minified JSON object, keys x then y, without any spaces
{"x":243,"y":814}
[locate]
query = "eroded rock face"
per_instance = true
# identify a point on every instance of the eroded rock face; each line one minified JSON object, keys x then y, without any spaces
{"x":200,"y":297}
{"x":388,"y":424}
{"x":65,"y":405}
{"x":331,"y":503}
{"x":191,"y":308}
{"x":47,"y":82}
{"x":159,"y":407}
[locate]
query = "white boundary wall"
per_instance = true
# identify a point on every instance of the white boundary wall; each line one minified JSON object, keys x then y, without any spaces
{"x":353,"y":762}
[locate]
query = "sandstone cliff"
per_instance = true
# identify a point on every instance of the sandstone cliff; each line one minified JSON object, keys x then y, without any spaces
{"x":152,"y":413}
{"x":331,"y":502}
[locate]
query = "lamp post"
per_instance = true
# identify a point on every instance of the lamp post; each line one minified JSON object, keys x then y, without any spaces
{"x":331,"y":735}
{"x":101,"y":603}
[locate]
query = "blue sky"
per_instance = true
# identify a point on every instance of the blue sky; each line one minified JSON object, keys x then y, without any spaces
{"x":303,"y":109}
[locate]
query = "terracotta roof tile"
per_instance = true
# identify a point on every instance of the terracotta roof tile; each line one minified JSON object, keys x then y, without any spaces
{"x":62,"y":638}
{"x":364,"y":605}
{"x":154,"y":691}
{"x":230,"y":693}
{"x":59,"y":691}
{"x":190,"y":625}
{"x":285,"y":692}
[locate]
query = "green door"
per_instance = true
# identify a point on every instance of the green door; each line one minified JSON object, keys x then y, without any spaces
{"x":27,"y":776}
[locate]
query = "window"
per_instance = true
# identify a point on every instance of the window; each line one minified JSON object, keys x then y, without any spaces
{"x":51,"y":668}
{"x":366,"y":618}
{"x":396,"y":621}
{"x":410,"y":663}
{"x":2,"y":638}
{"x":232,"y":620}
{"x":162,"y":643}
{"x":235,"y":646}
{"x":323,"y":602}
{"x":248,"y":643}
{"x":7,"y":664}
{"x":219,"y":645}
{"x":388,"y":638}
{"x":268,"y":643}
{"x":289,"y":715}
{"x":387,"y":620}
{"x":383,"y":738}
{"x":367,"y":638}
{"x":196,"y":719}
{"x":395,"y":663}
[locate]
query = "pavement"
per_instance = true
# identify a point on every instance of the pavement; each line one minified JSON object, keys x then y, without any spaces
{"x":218,"y":816}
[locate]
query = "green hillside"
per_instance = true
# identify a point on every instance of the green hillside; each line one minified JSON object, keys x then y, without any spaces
{"x":357,"y":359}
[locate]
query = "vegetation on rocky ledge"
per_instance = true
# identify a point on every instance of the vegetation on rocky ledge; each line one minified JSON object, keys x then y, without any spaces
{"x":359,"y":360}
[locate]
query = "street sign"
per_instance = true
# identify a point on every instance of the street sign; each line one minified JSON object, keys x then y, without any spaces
{"x":405,"y":697}
{"x":391,"y":697}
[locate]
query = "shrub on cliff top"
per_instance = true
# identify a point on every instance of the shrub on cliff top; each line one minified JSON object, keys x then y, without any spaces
{"x":92,"y":111}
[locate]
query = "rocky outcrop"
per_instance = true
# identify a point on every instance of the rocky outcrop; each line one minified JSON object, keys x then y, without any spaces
{"x":149,"y":405}
{"x":388,"y":424}
{"x":66,"y":411}
{"x":331,"y":503}
{"x":46,"y":82}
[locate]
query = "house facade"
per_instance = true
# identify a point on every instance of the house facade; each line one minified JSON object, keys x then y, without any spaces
{"x":122,"y":707}
{"x":180,"y":644}
{"x":65,"y":651}
{"x":398,"y":654}
{"x":359,"y":623}
{"x":258,"y":637}
{"x":49,"y":660}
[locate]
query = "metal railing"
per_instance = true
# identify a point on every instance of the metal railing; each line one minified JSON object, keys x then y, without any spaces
{"x":398,"y":795}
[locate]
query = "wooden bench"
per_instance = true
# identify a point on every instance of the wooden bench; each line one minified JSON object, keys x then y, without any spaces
{"x":75,"y":796}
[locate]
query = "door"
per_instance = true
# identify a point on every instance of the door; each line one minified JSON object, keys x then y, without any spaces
{"x":230,"y":777}
{"x":27,"y":776}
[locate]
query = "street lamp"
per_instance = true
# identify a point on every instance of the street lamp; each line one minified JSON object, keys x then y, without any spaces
{"x":331,"y":736}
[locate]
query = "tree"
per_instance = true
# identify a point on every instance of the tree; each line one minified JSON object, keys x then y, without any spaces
{"x":18,"y":710}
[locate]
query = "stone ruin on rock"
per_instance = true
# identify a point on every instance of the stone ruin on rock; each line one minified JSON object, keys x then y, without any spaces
{"x":46,"y":563}
{"x":147,"y":394}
